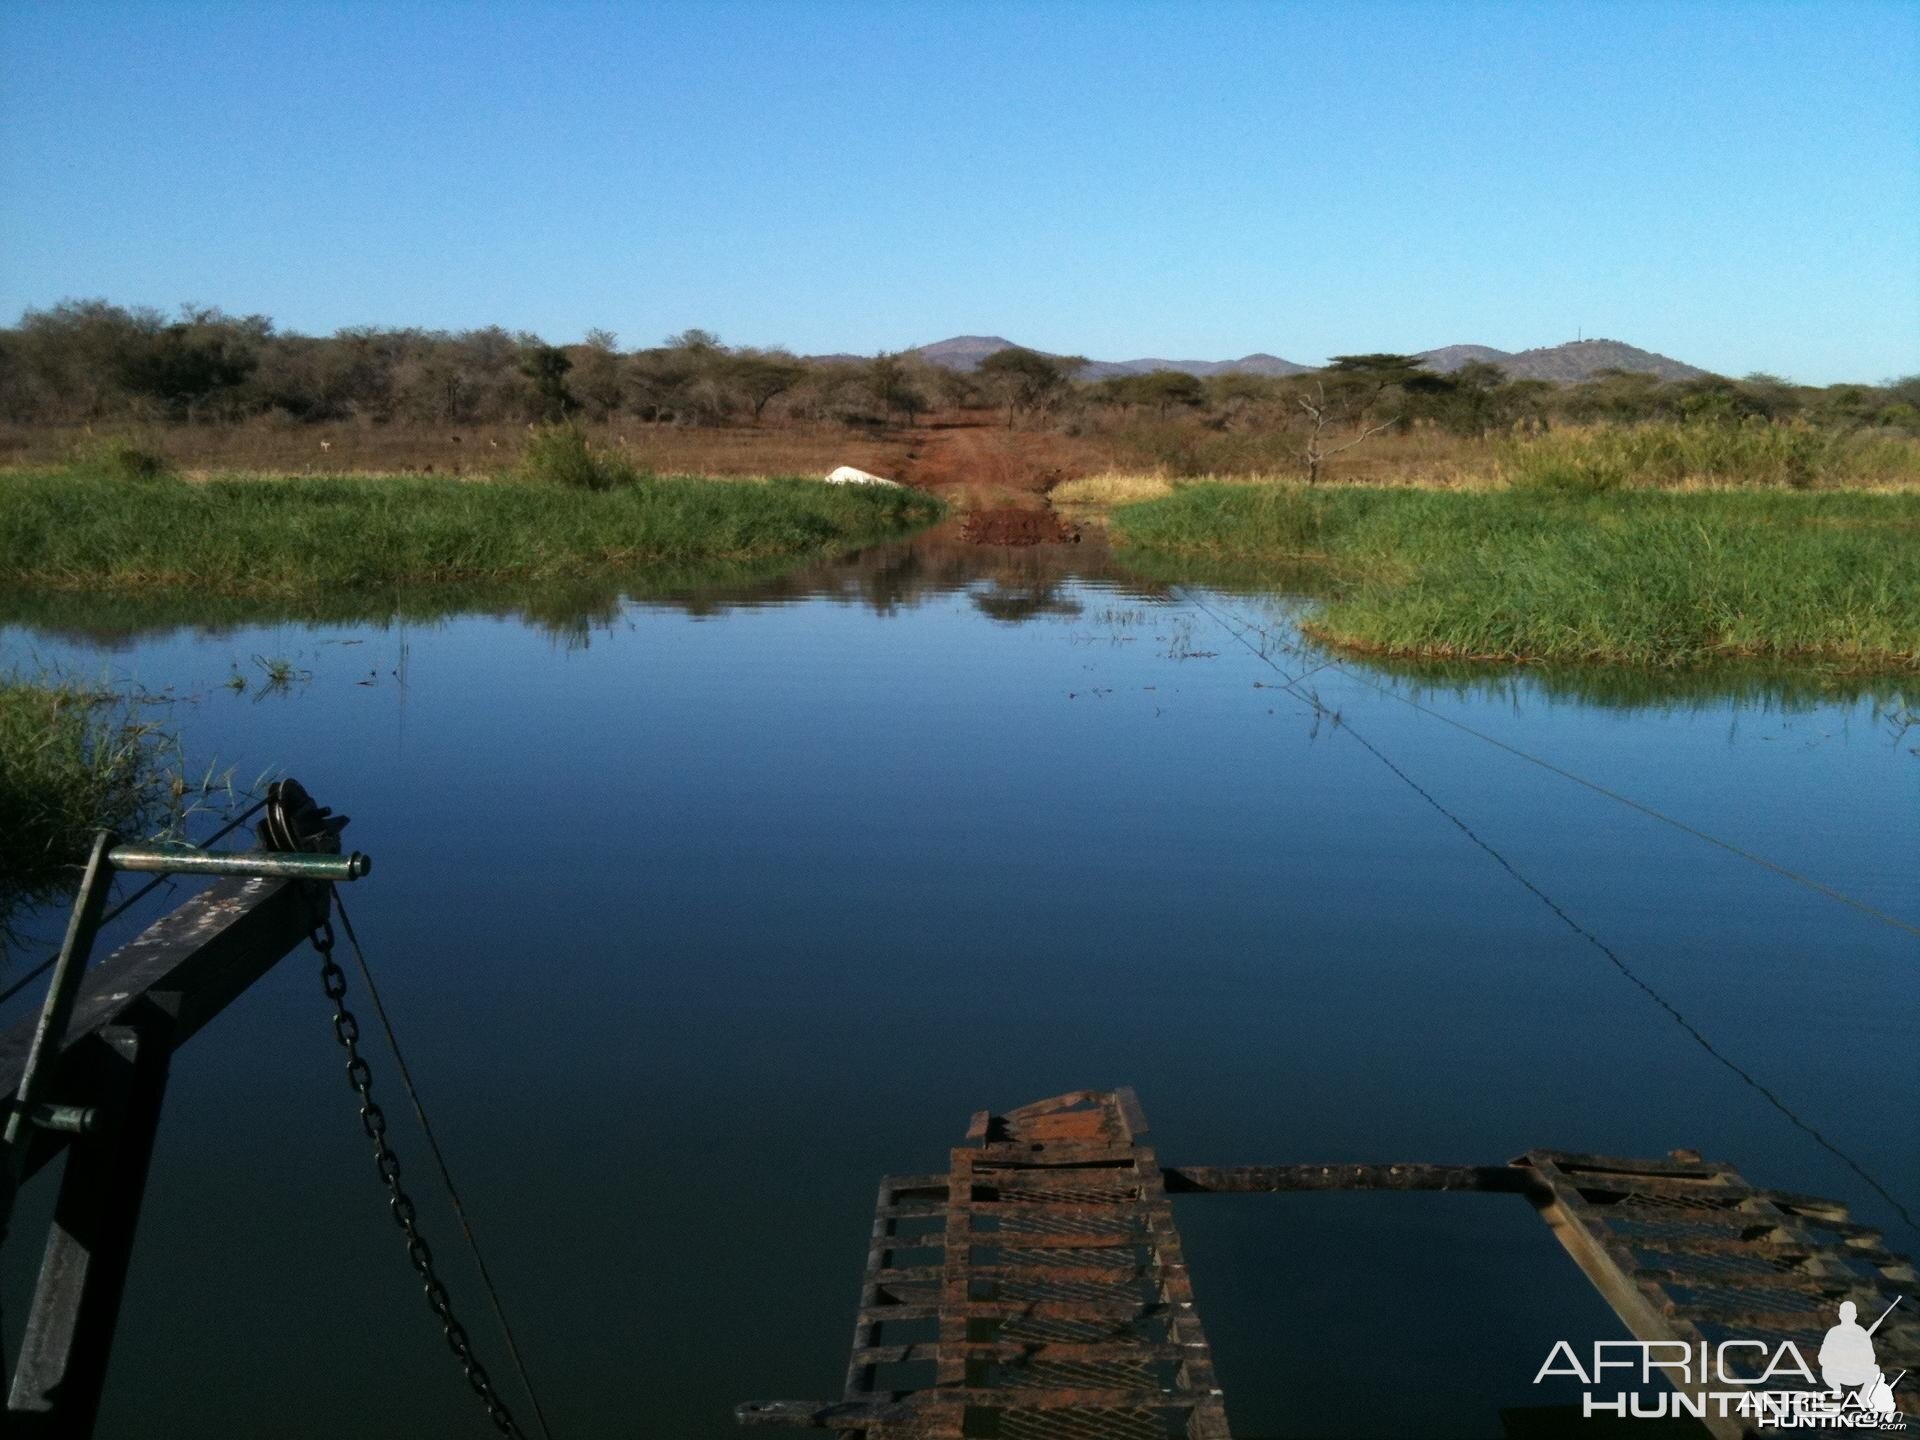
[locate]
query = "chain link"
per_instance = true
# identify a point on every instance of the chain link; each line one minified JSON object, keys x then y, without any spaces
{"x":373,"y":1120}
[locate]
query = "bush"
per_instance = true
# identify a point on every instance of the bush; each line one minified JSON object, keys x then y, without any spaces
{"x":561,"y":455}
{"x":115,"y":457}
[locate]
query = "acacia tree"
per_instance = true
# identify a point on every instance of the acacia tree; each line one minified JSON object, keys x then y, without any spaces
{"x":760,"y":375}
{"x":547,"y":366}
{"x":1358,"y":385}
{"x":892,"y":387}
{"x":1465,"y":401}
{"x":1242,"y":397}
{"x":1026,"y":381}
{"x":1164,"y":389}
{"x":599,"y":374}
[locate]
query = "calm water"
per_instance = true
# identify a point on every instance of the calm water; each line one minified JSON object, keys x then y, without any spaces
{"x":699,"y":917}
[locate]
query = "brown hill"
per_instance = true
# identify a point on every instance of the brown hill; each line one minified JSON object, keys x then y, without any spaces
{"x":1565,"y":364}
{"x":1579,"y":360}
{"x":965,"y":352}
{"x":1449,"y":358}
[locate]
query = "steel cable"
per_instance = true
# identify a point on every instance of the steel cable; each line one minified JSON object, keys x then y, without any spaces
{"x":1817,"y":886}
{"x":445,"y":1172}
{"x":126,"y":904}
{"x":1319,"y":708}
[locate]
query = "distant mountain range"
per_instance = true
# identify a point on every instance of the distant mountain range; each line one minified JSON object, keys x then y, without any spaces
{"x":1574,"y":361}
{"x":964,"y":352}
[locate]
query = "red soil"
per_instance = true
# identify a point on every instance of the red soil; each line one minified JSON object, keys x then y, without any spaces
{"x":996,"y":478}
{"x":1017,"y":525}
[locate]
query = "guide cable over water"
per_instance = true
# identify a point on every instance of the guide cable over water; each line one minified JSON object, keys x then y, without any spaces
{"x":1306,"y":697}
{"x":1751,"y":857}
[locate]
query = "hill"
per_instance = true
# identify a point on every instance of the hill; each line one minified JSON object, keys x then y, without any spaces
{"x":962,"y":352}
{"x":965,"y":352}
{"x":1449,"y":358}
{"x":1564,"y":364}
{"x":1579,"y":360}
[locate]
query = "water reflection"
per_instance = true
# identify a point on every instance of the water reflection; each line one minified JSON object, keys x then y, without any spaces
{"x":1009,"y":585}
{"x":704,"y":904}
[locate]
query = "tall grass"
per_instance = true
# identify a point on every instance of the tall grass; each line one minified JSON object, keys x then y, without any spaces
{"x":287,"y":537}
{"x":563,"y":455}
{"x":1660,"y":578}
{"x":72,"y":761}
{"x":1791,"y":456}
{"x":118,"y":457}
{"x":360,"y":447}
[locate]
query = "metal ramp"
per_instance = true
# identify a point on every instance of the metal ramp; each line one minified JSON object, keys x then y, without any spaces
{"x":1686,"y":1249}
{"x":1035,"y":1290}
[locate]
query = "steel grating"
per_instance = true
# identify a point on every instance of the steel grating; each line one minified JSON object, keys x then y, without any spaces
{"x":1036,"y":1289}
{"x":1685,"y":1249}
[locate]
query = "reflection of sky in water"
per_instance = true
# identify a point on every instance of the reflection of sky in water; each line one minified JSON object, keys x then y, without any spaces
{"x":698,"y":923}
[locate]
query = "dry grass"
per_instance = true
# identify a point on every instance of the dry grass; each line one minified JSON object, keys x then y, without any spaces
{"x":958,"y":449}
{"x":350,"y":448}
{"x":1114,"y":488}
{"x":1110,"y":489}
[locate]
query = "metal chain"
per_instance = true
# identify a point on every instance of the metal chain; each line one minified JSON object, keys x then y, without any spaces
{"x":373,"y":1121}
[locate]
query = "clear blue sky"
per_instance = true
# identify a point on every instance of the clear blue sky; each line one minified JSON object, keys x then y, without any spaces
{"x":1737,"y":185}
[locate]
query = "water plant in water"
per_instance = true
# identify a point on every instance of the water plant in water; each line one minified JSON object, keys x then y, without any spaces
{"x":73,"y":759}
{"x":1565,"y":574}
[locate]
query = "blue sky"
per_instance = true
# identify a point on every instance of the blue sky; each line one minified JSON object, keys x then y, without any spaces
{"x":1737,"y":185}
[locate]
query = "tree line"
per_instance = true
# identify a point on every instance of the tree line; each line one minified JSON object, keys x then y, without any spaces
{"x":89,"y":361}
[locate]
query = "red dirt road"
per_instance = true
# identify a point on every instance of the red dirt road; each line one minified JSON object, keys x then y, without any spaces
{"x":996,"y":478}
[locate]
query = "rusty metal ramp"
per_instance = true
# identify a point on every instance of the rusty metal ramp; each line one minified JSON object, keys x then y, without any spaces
{"x":1688,"y":1250}
{"x":1037,"y":1289}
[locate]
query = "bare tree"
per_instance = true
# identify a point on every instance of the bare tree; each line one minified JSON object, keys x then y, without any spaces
{"x":1314,"y":453}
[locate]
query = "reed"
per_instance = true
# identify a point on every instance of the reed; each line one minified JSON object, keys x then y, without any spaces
{"x":72,"y":761}
{"x":1566,"y":574}
{"x":262,"y":536}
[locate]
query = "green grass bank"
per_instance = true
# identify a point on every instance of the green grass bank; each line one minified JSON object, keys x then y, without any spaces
{"x":264,"y":536}
{"x":71,"y":761}
{"x":1565,"y":574}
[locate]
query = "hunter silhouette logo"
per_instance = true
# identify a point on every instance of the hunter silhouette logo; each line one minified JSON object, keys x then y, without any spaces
{"x":1769,"y":1383}
{"x":1847,"y":1361}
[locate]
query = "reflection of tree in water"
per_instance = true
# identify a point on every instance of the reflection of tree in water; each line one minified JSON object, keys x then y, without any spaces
{"x":1027,"y":579}
{"x":1011,"y":585}
{"x":1014,"y":604}
{"x":570,"y":617}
